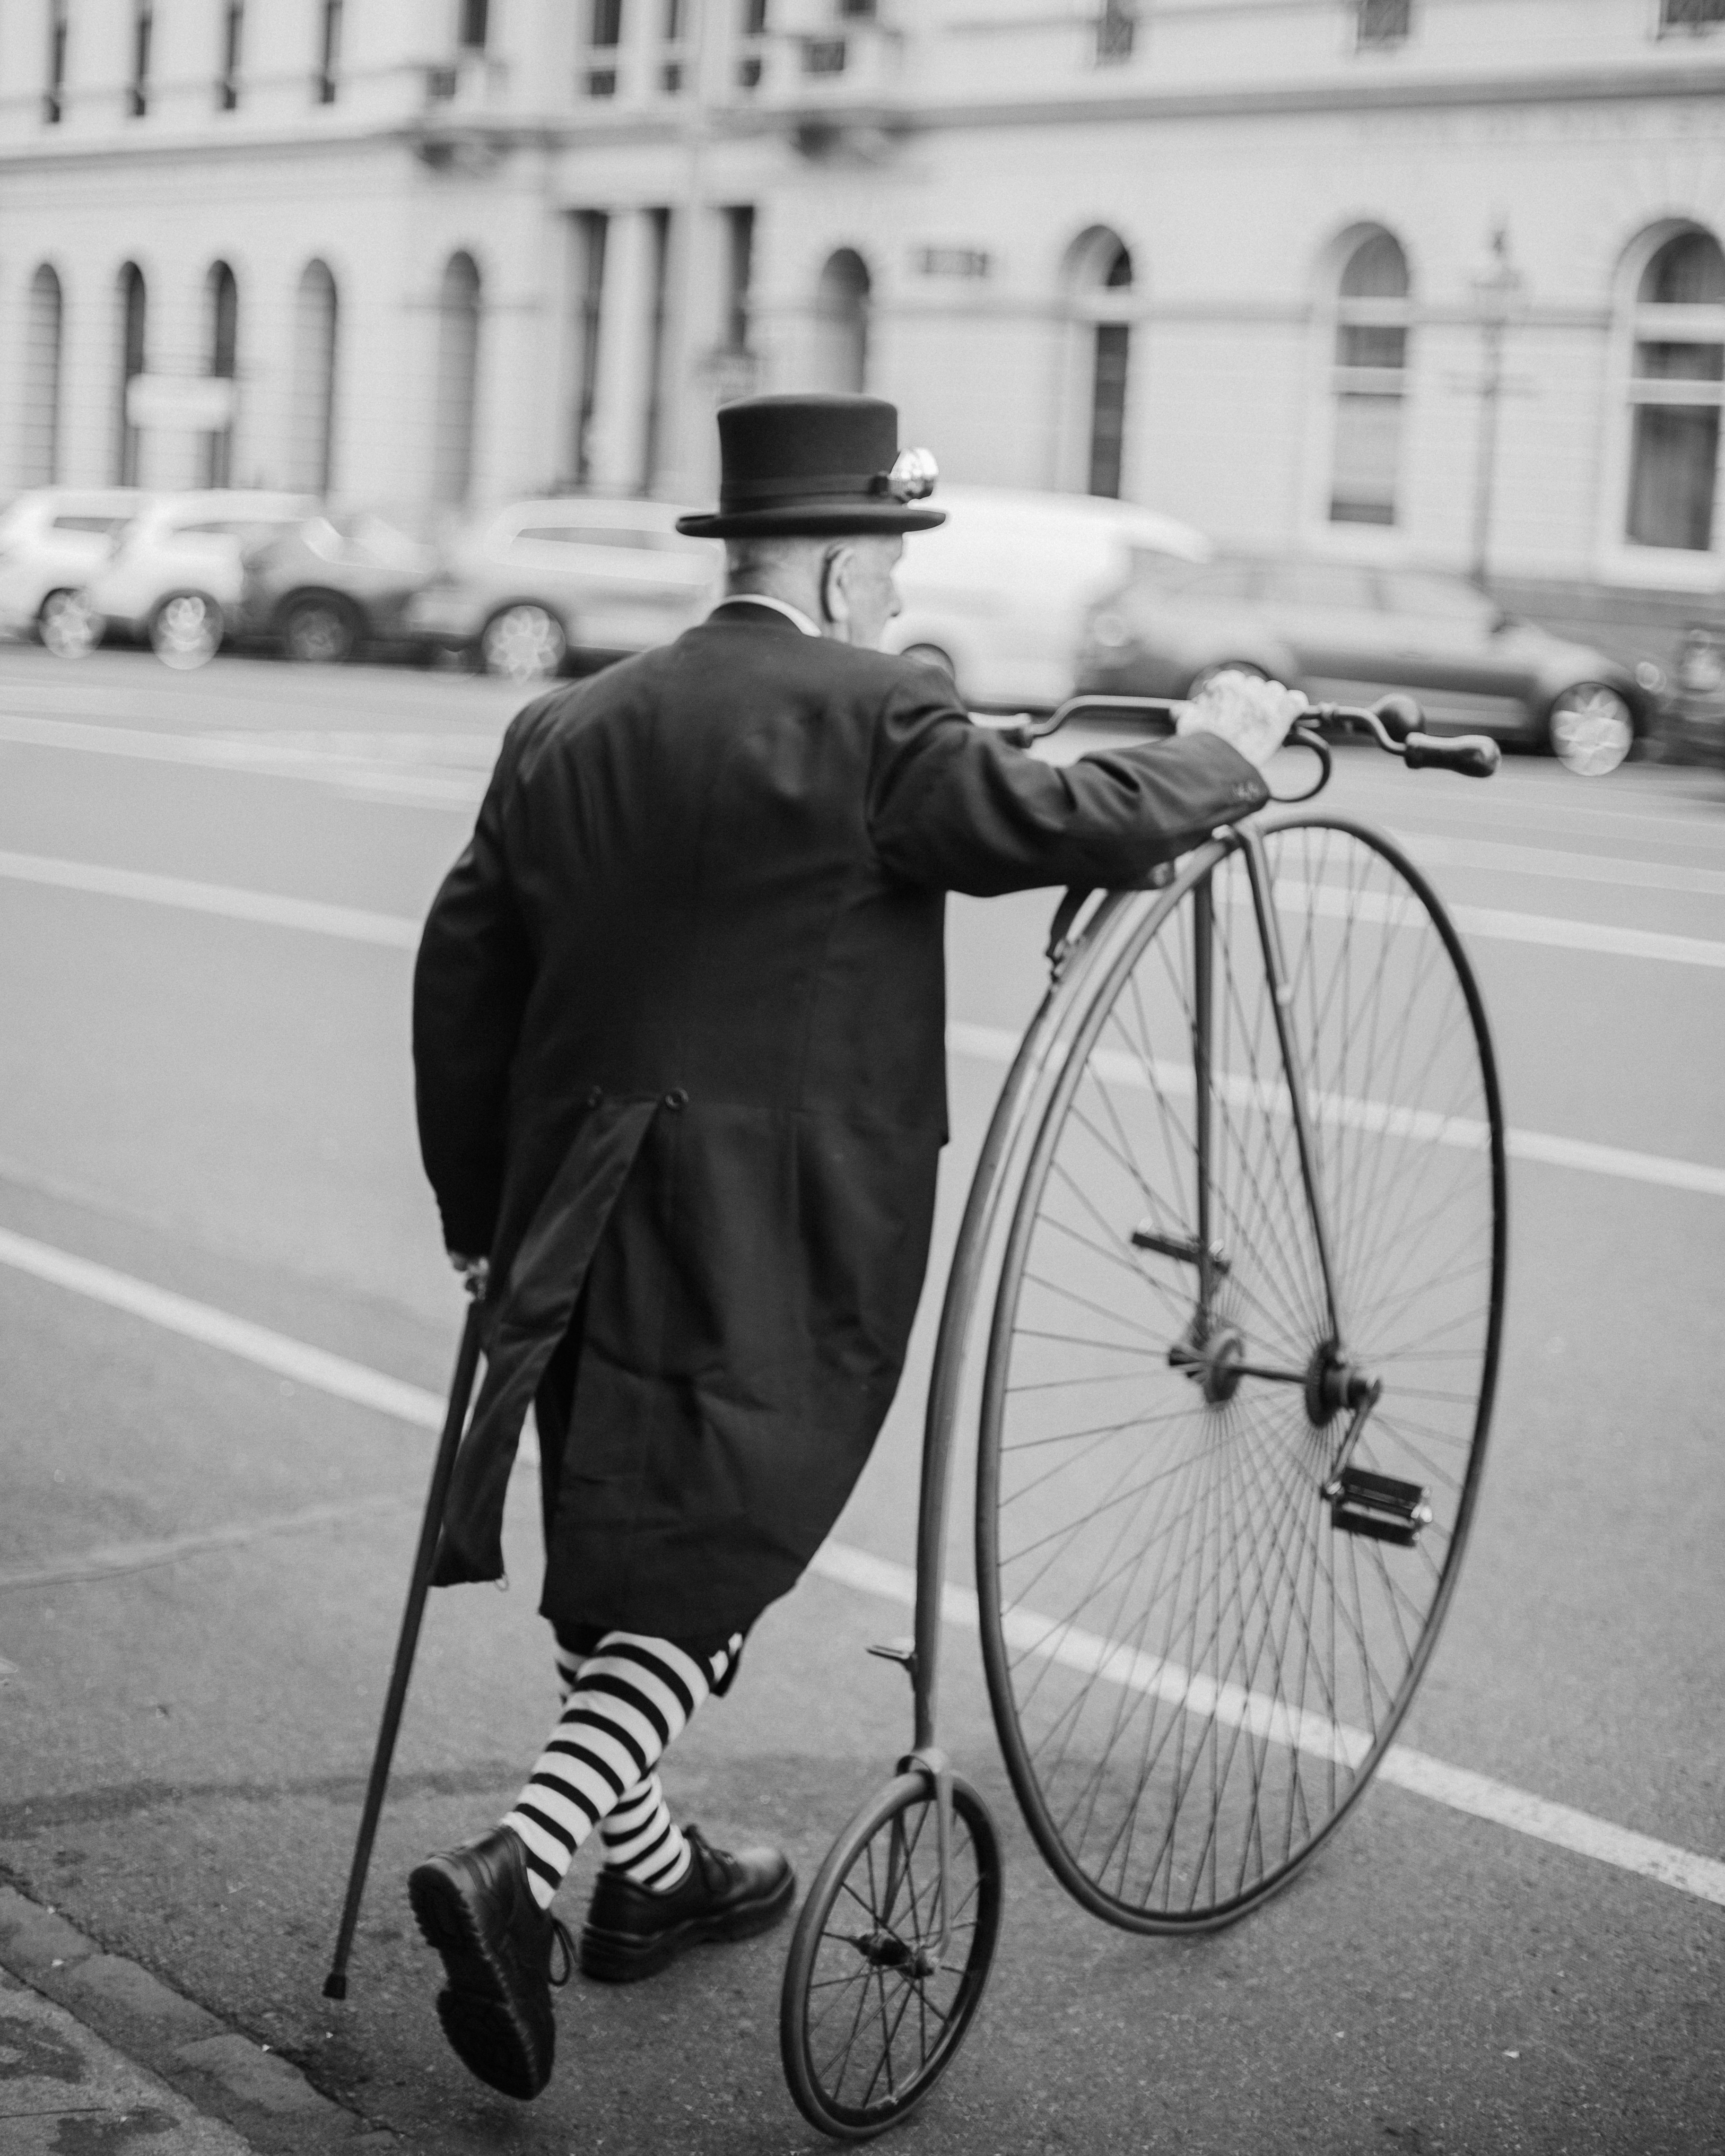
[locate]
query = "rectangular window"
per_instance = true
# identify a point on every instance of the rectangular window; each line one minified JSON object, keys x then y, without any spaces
{"x":677,"y":21}
{"x":1116,"y":31}
{"x":739,"y":274}
{"x":143,"y":31}
{"x":233,"y":35}
{"x":856,"y":11}
{"x":1363,"y":464}
{"x":53,"y":96}
{"x":1107,"y":424}
{"x":328,"y":77}
{"x":1383,"y":22}
{"x":1676,"y":450}
{"x":823,"y":56}
{"x":754,"y":19}
{"x":1690,"y":14}
{"x":474,"y":26}
{"x":605,"y":23}
{"x":593,"y":226}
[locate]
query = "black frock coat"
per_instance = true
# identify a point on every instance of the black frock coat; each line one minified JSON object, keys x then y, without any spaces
{"x":679,"y":1020}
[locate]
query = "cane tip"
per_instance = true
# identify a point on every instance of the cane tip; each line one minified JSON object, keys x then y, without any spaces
{"x":335,"y":1985}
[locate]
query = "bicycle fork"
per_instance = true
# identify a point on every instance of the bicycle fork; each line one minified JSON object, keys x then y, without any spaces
{"x":1213,"y":1353}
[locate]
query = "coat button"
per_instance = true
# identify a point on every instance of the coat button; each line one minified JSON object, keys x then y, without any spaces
{"x":595,"y":1094}
{"x":676,"y":1099}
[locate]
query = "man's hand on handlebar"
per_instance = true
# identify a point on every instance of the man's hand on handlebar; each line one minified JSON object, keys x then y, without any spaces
{"x":1250,"y":714}
{"x":476,"y":1272}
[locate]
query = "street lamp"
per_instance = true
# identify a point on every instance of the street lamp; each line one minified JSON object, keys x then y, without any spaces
{"x":1496,"y":289}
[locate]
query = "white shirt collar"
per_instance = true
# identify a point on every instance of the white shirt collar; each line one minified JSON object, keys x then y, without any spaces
{"x":778,"y":606}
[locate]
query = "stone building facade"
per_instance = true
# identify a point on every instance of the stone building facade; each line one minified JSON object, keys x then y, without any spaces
{"x":1436,"y":280}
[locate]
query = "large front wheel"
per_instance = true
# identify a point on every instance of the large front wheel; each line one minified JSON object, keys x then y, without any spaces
{"x":876,"y":2002}
{"x":1228,"y":1461}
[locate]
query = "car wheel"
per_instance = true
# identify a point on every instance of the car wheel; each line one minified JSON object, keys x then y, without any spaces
{"x":185,"y":631}
{"x":318,"y":631}
{"x":1205,"y":675}
{"x":1591,"y":729}
{"x":524,"y":643}
{"x":66,"y":625}
{"x":931,"y":655}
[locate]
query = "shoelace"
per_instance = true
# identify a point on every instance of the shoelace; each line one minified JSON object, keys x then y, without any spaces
{"x":559,"y":1937}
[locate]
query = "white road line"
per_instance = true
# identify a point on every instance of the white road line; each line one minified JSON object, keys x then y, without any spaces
{"x":993,"y":1044}
{"x":987,"y":1043}
{"x":1457,"y":1787}
{"x":360,"y":773}
{"x":1489,"y":855}
{"x":351,"y":922}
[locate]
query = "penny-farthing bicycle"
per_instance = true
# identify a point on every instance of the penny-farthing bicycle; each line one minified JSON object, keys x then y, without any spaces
{"x":1231,"y":1274}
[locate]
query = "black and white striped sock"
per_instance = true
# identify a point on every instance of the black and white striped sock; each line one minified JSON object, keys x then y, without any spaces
{"x":623,"y":1705}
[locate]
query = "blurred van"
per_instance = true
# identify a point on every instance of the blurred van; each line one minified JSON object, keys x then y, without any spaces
{"x":52,"y":539}
{"x":998,"y":595}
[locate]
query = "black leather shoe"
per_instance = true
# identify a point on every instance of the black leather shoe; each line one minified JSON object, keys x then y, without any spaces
{"x":632,"y":1931}
{"x":475,"y":1906}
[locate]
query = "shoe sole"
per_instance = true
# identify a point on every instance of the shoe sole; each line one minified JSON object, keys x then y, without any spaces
{"x":485,"y":2027}
{"x":622,"y":1958}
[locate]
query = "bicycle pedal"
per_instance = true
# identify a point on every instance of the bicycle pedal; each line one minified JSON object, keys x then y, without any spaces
{"x":1379,"y":1506}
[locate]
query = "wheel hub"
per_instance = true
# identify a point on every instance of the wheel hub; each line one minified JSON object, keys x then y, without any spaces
{"x":1333,"y":1384}
{"x":1216,"y":1366}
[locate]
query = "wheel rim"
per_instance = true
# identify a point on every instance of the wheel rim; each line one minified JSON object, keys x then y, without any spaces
{"x":1592,"y":730}
{"x":1195,"y":1673}
{"x":524,"y":645}
{"x":318,"y":635}
{"x":68,"y":626}
{"x":874,"y":2013}
{"x":187,"y":632}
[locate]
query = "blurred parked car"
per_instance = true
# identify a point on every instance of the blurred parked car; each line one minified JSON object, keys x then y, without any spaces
{"x":996,"y":596}
{"x":1692,"y":719}
{"x":521,"y":587}
{"x":172,"y":576}
{"x":51,"y":541}
{"x":1347,"y":633}
{"x":328,"y":587}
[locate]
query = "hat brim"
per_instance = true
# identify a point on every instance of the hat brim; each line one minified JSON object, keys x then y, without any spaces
{"x":812,"y":520}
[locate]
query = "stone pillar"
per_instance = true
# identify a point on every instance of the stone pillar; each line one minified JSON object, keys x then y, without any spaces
{"x":617,"y":444}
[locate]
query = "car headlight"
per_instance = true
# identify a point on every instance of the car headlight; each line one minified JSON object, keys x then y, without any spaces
{"x":1650,"y":677}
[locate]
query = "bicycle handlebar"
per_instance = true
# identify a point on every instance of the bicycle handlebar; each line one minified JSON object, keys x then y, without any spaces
{"x":1392,"y":724}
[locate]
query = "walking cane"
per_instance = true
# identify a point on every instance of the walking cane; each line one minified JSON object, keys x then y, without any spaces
{"x":335,"y":1985}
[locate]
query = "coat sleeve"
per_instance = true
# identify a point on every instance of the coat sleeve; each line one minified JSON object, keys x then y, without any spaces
{"x":471,"y":981}
{"x":953,"y":805}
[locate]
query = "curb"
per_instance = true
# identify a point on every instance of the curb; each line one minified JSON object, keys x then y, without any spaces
{"x":264,"y":2096}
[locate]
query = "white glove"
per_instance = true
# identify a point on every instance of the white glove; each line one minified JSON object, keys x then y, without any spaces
{"x":1251,"y":714}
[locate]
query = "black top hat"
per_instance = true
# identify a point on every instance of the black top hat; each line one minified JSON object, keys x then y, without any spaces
{"x":814,"y":467}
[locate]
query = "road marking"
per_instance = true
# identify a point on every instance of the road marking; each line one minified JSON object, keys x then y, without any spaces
{"x":351,"y":922}
{"x":1487,"y":854}
{"x":992,"y":1043}
{"x":368,"y":776}
{"x":1457,"y":1787}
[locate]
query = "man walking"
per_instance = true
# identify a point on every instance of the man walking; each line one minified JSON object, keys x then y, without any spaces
{"x":679,"y":1035}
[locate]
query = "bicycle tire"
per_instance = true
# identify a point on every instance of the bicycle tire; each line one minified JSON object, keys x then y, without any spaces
{"x":872,"y":1975}
{"x":1159,"y":1682}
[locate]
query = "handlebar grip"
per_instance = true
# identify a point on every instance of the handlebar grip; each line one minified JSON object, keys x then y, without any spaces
{"x":1400,"y":714}
{"x":1475,"y":755}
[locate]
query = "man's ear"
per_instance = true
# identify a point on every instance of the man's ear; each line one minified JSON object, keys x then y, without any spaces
{"x":835,"y":597}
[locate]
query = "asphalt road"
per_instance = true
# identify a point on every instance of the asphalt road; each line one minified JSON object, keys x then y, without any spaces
{"x":218,"y":1105}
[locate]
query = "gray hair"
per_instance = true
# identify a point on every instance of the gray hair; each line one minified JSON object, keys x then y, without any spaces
{"x":747,"y":561}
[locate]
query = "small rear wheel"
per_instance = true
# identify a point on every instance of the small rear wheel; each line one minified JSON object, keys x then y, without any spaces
{"x":1591,"y":729}
{"x":523,"y":643}
{"x":185,"y":631}
{"x":872,"y":2012}
{"x":319,"y":630}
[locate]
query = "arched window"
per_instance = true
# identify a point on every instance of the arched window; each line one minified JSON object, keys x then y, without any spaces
{"x":841,"y":323}
{"x":1676,"y":387}
{"x":134,"y":302}
{"x":1099,"y":284}
{"x":311,"y":448}
{"x":1372,"y":313}
{"x":221,"y":343}
{"x":39,"y":436}
{"x":458,"y":337}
